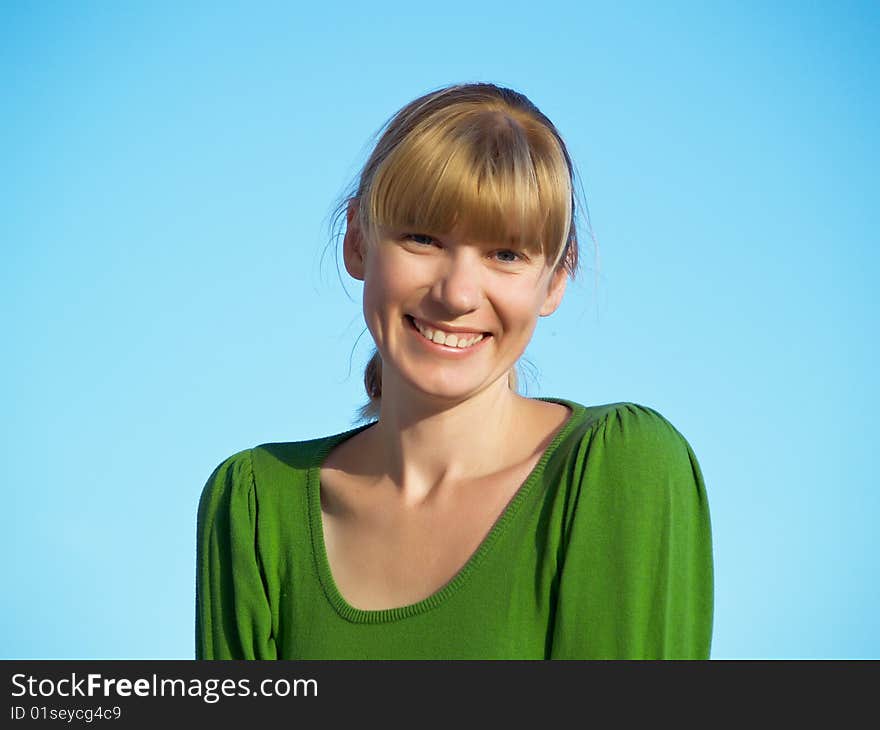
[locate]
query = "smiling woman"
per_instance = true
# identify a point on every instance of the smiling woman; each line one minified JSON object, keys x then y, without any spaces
{"x":451,"y":284}
{"x":463,"y":520}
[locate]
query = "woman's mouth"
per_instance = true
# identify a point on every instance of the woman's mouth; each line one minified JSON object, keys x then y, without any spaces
{"x":448,"y":341}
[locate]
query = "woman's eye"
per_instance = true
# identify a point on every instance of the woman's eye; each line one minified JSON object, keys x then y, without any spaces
{"x":421,"y":238}
{"x":508,"y":256}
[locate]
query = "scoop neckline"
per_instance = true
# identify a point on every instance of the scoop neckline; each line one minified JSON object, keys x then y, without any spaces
{"x":396,"y":613}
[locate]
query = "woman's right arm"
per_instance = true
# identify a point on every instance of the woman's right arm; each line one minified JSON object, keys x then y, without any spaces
{"x":638,"y":577}
{"x":233,"y":617}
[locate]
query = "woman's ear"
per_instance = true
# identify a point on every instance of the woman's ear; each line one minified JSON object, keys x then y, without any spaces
{"x":353,"y":248}
{"x":558,"y":281}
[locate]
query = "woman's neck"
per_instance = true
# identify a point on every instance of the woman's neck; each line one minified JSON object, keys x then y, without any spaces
{"x":425,"y":447}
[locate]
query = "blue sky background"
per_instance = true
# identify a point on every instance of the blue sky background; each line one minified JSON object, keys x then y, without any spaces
{"x":168,"y":173}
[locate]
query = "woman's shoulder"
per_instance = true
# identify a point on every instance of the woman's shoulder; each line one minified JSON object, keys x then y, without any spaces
{"x":232,"y":475}
{"x":632,"y":471}
{"x":302,"y":455}
{"x":628,"y":437}
{"x":625,"y":421}
{"x":268,"y":464}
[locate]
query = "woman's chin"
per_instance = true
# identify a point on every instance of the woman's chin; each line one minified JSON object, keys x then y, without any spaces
{"x":444,"y":391}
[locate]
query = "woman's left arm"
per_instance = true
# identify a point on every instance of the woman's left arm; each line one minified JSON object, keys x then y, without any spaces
{"x":233,"y":617}
{"x":637,"y":578}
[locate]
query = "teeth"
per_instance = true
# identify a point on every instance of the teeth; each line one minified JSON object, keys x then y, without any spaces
{"x":467,"y":343}
{"x":450,"y":340}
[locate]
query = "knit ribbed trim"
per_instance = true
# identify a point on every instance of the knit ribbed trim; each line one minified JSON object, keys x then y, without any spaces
{"x":387,"y":615}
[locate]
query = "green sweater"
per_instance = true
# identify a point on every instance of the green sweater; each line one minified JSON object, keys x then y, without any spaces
{"x":604,"y":552}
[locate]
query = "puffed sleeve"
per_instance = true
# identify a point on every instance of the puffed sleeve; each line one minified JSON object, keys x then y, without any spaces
{"x":636,"y":580}
{"x":233,"y":618}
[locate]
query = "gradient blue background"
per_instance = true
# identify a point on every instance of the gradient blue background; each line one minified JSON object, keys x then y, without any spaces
{"x":168,"y":172}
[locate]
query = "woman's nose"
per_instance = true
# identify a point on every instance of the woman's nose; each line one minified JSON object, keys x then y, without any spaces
{"x":459,"y":288}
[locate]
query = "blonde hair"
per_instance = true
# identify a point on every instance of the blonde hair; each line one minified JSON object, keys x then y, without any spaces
{"x":476,"y":157}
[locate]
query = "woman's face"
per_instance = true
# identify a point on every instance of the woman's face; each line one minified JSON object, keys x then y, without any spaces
{"x":457,"y":292}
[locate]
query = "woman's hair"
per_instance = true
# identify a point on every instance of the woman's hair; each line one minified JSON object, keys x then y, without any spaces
{"x":476,"y":157}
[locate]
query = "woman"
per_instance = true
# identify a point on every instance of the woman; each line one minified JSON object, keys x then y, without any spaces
{"x":466,"y":521}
